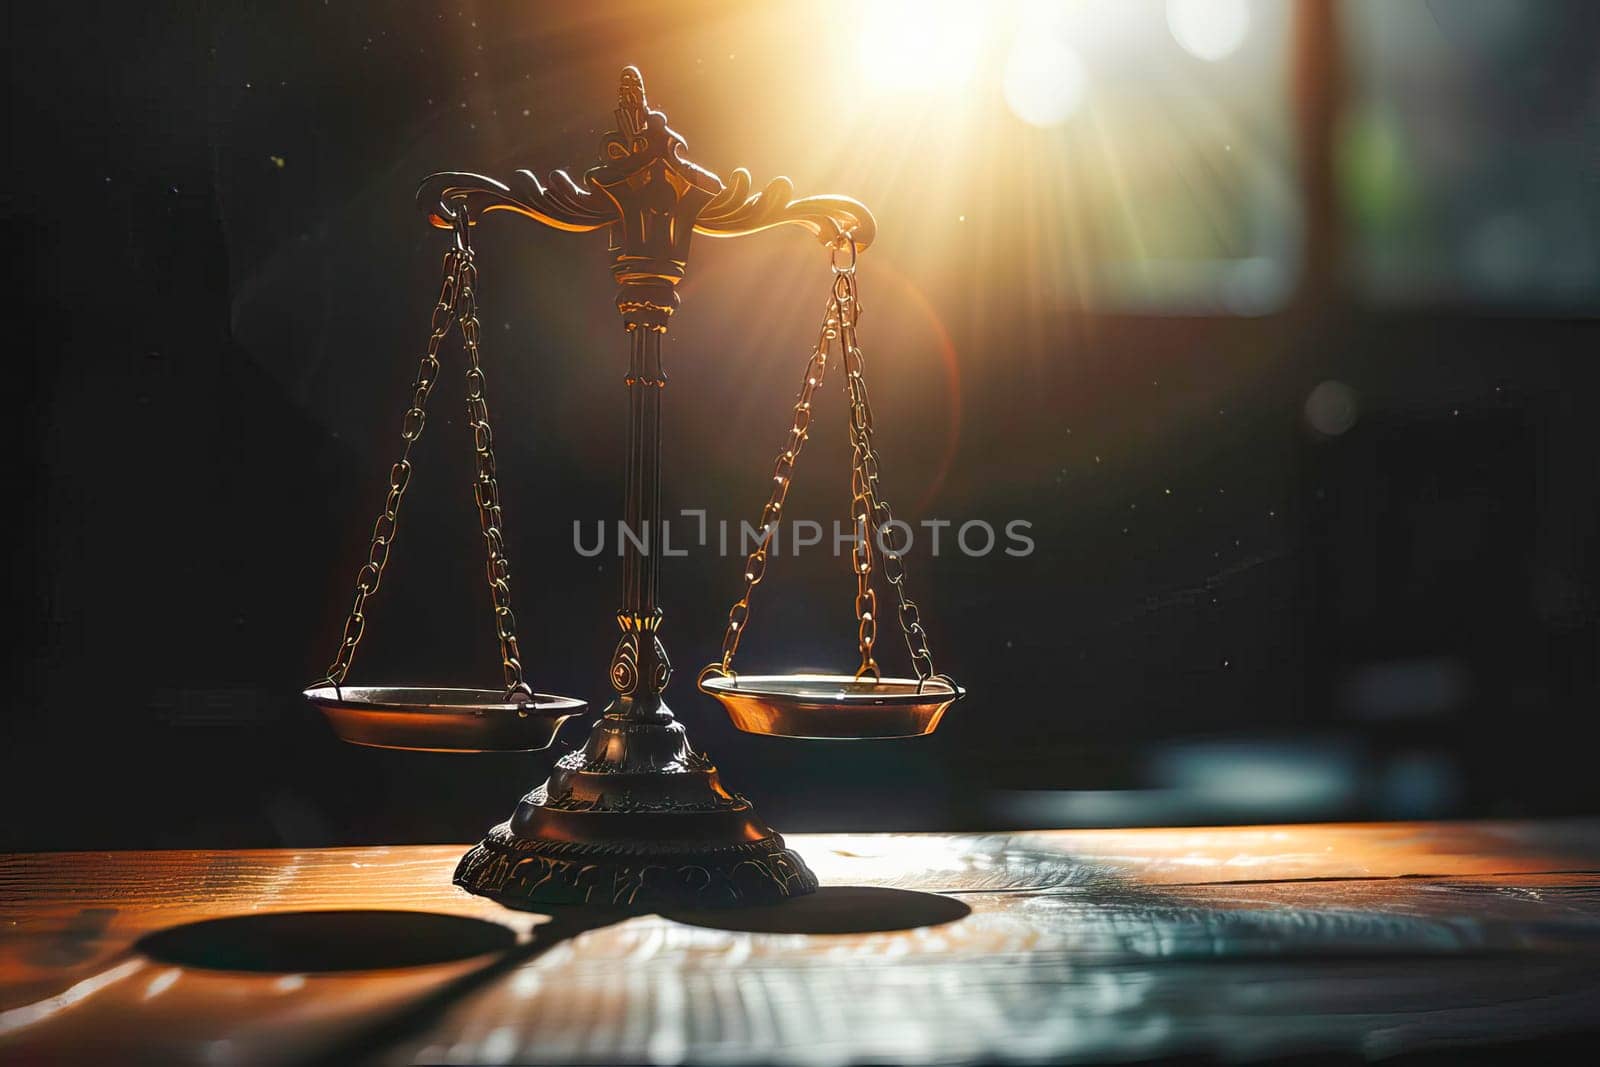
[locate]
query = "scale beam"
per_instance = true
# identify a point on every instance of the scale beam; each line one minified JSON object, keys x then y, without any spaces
{"x":643,"y":138}
{"x":564,"y":204}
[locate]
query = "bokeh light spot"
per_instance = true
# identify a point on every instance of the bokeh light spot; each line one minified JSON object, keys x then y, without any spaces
{"x":1209,"y":29}
{"x":1044,"y":80}
{"x":1332,"y":408}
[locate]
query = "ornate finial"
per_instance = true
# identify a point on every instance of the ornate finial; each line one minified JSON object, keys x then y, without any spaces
{"x":631,"y":103}
{"x":640,"y":131}
{"x":658,"y":196}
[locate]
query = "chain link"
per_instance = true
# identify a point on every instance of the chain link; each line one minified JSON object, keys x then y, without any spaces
{"x":485,"y":489}
{"x":457,"y":303}
{"x":861,"y":501}
{"x":755,"y":566}
{"x":411,"y":425}
{"x":870,"y":513}
{"x":869,"y":508}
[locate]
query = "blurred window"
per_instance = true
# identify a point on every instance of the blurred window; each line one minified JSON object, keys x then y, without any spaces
{"x":1468,"y":156}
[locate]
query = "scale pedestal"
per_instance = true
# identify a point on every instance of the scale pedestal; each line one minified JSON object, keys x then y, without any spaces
{"x":638,"y":818}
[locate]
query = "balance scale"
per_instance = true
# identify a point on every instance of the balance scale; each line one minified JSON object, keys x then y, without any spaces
{"x":638,"y":818}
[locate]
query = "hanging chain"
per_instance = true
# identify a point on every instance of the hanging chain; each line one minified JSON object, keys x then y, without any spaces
{"x":457,"y":303}
{"x":485,"y":490}
{"x":870,"y":511}
{"x":755,"y":566}
{"x":861,"y":500}
{"x":388,"y":522}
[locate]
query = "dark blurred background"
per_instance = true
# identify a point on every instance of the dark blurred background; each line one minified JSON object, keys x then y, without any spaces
{"x":1275,"y":320}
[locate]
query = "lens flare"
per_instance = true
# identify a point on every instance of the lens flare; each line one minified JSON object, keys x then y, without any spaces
{"x":927,"y":46}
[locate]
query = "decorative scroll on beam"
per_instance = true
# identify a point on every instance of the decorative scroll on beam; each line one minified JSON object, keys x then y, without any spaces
{"x":565,"y":205}
{"x":643,"y":145}
{"x":736,"y":212}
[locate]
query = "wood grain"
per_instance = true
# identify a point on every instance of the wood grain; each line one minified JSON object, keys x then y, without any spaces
{"x":1076,"y":945}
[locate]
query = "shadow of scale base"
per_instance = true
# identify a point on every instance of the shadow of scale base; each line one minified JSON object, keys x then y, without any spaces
{"x":637,"y":818}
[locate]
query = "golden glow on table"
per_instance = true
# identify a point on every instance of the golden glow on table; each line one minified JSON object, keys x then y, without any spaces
{"x":1067,"y":944}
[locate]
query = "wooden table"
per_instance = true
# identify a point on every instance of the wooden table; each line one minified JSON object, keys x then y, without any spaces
{"x":1024,"y":948}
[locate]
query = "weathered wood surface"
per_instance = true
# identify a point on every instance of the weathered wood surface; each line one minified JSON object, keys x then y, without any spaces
{"x":1037,"y":947}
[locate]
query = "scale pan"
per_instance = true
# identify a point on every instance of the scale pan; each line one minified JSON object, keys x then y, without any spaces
{"x":442,"y":720}
{"x":832,"y":706}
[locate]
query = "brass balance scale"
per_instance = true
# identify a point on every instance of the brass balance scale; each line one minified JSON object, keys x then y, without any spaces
{"x":637,"y":817}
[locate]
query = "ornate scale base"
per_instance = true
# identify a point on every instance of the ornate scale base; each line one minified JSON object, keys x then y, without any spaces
{"x":635,"y":820}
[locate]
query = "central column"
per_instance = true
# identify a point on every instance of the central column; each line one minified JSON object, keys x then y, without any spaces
{"x":640,"y":668}
{"x":657,"y":196}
